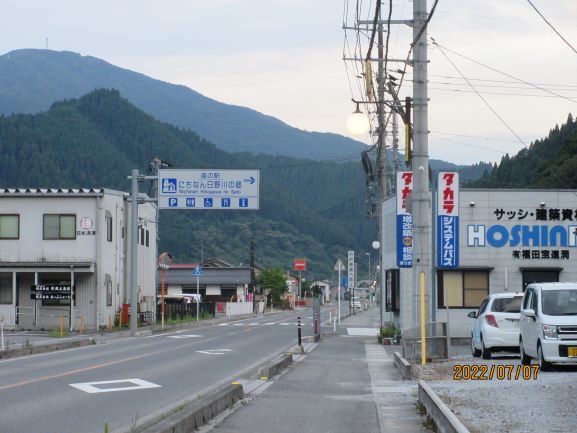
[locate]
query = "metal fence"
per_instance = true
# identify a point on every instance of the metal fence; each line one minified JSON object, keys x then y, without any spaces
{"x":435,"y":337}
{"x":183,"y":311}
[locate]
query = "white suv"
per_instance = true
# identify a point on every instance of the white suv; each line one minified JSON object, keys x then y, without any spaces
{"x":496,"y":327}
{"x":548,"y":328}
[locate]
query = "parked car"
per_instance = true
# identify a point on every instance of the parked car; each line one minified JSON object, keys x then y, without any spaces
{"x":549,"y":324}
{"x":356,"y":303}
{"x":496,"y":327}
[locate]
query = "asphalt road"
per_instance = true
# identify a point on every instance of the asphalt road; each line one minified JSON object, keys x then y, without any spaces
{"x":51,"y":393}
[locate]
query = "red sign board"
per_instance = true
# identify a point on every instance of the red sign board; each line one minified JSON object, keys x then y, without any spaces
{"x":300,"y":264}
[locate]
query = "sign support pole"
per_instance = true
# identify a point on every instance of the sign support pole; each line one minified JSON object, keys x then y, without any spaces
{"x":197,"y":296}
{"x":133,"y":252}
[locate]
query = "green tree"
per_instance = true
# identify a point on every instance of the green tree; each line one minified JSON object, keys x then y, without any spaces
{"x":273,"y":280}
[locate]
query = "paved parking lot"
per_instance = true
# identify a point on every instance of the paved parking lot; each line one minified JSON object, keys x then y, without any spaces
{"x":503,"y":397}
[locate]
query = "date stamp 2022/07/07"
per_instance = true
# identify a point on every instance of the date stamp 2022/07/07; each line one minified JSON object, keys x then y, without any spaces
{"x":495,"y":371}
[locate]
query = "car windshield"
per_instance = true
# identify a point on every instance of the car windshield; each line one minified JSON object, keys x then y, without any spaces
{"x":559,"y":302}
{"x":507,"y":305}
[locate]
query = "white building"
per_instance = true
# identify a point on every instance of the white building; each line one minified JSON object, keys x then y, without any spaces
{"x":58,"y":244}
{"x":506,"y":240}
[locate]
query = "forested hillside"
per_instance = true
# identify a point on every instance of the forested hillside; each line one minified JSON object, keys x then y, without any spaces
{"x":547,"y":163}
{"x":31,"y":80}
{"x":308,"y":208}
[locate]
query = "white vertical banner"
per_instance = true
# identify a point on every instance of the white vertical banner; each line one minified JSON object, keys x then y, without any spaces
{"x":448,"y":220}
{"x":404,"y":220}
{"x":351,"y":269}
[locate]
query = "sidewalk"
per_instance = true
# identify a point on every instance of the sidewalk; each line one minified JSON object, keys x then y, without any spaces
{"x":347,"y":384}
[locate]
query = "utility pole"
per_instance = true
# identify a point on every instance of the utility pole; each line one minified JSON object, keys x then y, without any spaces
{"x":382,"y":161}
{"x":420,"y":200}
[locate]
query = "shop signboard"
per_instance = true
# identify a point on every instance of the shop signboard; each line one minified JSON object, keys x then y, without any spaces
{"x":404,"y":220}
{"x":448,"y":220}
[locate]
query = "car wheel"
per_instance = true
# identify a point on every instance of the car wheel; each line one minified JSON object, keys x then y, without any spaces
{"x":543,"y":365}
{"x":525,"y":359}
{"x":485,"y":352}
{"x":474,"y":351}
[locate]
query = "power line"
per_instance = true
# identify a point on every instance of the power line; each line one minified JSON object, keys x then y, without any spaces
{"x":473,"y":136}
{"x":501,"y":72}
{"x":480,"y":96}
{"x":426,"y":23}
{"x":498,"y":93}
{"x":551,"y":25}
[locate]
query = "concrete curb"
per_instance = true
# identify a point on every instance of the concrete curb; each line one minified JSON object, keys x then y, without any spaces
{"x":403,"y":366}
{"x":193,"y":415}
{"x":275,"y":367}
{"x":44,"y":348}
{"x":445,"y":420}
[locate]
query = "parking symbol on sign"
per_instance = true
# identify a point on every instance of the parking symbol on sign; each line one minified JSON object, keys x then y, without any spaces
{"x":190,"y":202}
{"x":208,"y":202}
{"x":172,"y":202}
{"x":225,"y":202}
{"x":243,"y":202}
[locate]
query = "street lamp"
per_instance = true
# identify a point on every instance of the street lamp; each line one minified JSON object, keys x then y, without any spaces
{"x":369,"y":254}
{"x":358,"y":122}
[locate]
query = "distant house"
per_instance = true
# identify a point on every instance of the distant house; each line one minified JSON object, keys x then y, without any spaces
{"x":218,"y":282}
{"x":64,"y":254}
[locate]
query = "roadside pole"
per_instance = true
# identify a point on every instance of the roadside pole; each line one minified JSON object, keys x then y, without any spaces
{"x":134,"y":252}
{"x":339,"y":267}
{"x":197,"y":295}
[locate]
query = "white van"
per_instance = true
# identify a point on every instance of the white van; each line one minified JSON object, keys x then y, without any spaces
{"x":548,"y":326}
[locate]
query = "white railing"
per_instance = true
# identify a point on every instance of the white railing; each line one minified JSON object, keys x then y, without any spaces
{"x":238,"y":308}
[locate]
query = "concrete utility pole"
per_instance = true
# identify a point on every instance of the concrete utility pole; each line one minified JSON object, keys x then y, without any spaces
{"x":133,"y":252}
{"x":382,"y":162}
{"x":420,"y":200}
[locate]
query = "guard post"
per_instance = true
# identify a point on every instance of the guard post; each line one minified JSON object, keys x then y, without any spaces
{"x":317,"y":318}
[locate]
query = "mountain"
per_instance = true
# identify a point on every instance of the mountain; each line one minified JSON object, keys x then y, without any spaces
{"x":31,"y":80}
{"x":310,"y":209}
{"x":547,"y":163}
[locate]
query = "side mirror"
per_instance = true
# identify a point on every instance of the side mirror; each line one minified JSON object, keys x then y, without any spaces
{"x":528,"y":313}
{"x":472,"y":315}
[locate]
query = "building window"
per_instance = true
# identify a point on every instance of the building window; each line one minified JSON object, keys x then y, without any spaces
{"x":9,"y":226}
{"x":6,"y":288}
{"x":108,"y":282}
{"x":108,"y":220}
{"x":59,"y":226}
{"x":147,"y":238}
{"x":462,"y":289}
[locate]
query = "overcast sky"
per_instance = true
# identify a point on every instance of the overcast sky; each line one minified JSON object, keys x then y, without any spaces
{"x":284,"y":58}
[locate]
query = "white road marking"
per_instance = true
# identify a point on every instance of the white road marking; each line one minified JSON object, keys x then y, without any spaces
{"x":214,"y":351}
{"x":362,"y":332}
{"x":185,"y":336}
{"x":284,"y":324}
{"x":222,"y":324}
{"x":270,"y":323}
{"x":238,"y":324}
{"x":92,"y":388}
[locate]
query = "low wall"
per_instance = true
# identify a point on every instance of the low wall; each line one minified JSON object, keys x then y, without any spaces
{"x":238,"y":309}
{"x":445,"y":420}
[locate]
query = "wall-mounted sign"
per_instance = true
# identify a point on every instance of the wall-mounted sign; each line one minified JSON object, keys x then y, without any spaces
{"x":52,"y":294}
{"x":404,"y":220}
{"x":86,"y":223}
{"x":208,"y":189}
{"x":448,"y":220}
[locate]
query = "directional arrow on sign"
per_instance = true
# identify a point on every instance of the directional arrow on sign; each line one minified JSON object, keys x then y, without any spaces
{"x":250,"y":180}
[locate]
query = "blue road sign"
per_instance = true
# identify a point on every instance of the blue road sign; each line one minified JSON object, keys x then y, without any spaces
{"x":225,"y":202}
{"x":172,"y":202}
{"x":208,"y":202}
{"x":345,"y":282}
{"x":243,"y":202}
{"x":190,"y":202}
{"x":197,"y":272}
